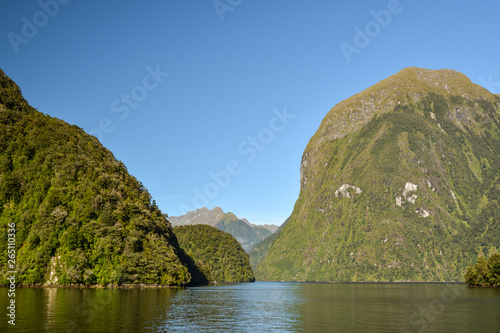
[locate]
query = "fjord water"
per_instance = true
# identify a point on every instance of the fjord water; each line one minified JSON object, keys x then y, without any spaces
{"x":260,"y":307}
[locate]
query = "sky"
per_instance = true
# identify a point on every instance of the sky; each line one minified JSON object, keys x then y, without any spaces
{"x":212,"y":103}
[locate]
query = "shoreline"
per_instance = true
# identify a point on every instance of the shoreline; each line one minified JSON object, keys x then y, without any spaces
{"x":157,"y":286}
{"x":361,"y":282}
{"x":96,"y":286}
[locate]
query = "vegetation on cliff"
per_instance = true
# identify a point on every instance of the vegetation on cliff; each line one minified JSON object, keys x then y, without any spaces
{"x":259,"y":251}
{"x":400,"y":183}
{"x":216,"y":253}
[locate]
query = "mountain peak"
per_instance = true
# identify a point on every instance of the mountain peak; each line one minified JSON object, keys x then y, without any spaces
{"x":217,"y":210}
{"x":422,"y":80}
{"x":407,"y":87}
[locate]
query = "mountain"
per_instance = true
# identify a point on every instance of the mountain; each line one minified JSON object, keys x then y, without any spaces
{"x":401,"y":182}
{"x":78,"y":216}
{"x":246,"y":233}
{"x":217,"y":254}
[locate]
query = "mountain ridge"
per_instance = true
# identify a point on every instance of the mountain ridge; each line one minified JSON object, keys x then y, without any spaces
{"x":246,"y":233}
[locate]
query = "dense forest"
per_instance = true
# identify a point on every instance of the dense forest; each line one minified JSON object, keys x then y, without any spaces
{"x":217,"y":254}
{"x":80,"y":217}
{"x":485,"y":273}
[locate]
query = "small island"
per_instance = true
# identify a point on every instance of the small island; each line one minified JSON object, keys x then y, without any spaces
{"x":485,"y":273}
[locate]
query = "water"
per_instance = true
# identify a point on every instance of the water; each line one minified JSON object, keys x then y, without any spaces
{"x":259,"y":307}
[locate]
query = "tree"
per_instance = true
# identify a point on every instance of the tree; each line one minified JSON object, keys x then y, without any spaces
{"x":484,"y":272}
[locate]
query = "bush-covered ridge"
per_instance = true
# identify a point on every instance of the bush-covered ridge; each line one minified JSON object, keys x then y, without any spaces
{"x":485,"y":273}
{"x":80,"y":217}
{"x":217,"y":254}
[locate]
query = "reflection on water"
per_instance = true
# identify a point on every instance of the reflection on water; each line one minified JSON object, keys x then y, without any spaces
{"x":259,"y":307}
{"x":399,"y":307}
{"x":235,"y":307}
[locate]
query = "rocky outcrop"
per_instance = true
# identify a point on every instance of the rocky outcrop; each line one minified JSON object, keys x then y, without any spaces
{"x":347,"y":191}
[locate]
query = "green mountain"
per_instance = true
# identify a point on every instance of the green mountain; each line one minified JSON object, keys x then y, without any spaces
{"x":259,"y":251}
{"x":246,"y":233}
{"x":401,"y":182}
{"x":217,"y":254}
{"x":80,"y":217}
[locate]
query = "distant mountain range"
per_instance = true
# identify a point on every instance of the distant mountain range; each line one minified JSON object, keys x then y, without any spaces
{"x":401,"y":182}
{"x":246,"y":233}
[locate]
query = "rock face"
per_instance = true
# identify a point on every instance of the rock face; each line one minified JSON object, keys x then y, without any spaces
{"x":246,"y":233}
{"x":400,"y":182}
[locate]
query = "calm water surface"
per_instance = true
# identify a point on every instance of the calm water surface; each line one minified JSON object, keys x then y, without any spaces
{"x":259,"y":307}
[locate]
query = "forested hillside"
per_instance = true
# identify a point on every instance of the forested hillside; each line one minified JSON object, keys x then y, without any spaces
{"x":80,"y":217}
{"x":216,"y":253}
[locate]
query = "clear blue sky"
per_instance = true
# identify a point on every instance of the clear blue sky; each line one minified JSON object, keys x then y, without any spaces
{"x":102,"y":65}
